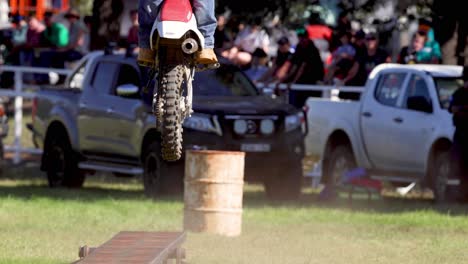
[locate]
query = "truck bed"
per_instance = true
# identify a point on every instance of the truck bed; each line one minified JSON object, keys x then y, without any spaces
{"x":344,"y":112}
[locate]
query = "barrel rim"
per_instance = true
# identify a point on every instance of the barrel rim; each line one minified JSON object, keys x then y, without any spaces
{"x":215,"y":152}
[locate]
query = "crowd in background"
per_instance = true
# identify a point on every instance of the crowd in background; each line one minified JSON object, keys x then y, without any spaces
{"x":317,"y":53}
{"x":268,"y":51}
{"x":48,"y":43}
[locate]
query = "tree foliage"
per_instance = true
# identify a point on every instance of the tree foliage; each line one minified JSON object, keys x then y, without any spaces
{"x":85,"y":7}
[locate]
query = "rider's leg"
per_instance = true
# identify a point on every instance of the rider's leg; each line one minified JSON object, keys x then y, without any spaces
{"x":205,"y":13}
{"x":147,"y":12}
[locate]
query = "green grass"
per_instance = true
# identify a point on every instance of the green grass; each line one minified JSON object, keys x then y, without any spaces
{"x":42,"y":225}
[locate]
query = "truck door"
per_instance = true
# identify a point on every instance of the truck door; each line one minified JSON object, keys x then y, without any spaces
{"x":378,"y":127}
{"x":128,"y":111}
{"x":413,"y":125}
{"x":94,"y":123}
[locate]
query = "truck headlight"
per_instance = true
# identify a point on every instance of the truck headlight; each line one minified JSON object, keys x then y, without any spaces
{"x":203,"y":123}
{"x":292,"y":122}
{"x":240,"y":127}
{"x":267,"y":127}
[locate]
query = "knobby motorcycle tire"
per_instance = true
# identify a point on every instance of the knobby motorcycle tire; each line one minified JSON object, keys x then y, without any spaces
{"x":171,"y":123}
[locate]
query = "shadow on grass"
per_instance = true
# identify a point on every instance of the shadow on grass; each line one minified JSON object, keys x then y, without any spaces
{"x":359,"y":203}
{"x":88,"y":194}
{"x":29,"y":183}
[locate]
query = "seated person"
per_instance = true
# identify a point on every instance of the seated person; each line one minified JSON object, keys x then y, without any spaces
{"x":247,"y":42}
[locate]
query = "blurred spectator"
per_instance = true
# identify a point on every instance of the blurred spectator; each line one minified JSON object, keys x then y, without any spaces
{"x":359,"y":43}
{"x":132,"y":37}
{"x":320,"y":34}
{"x":18,"y":39}
{"x":87,"y":20}
{"x":281,"y":63}
{"x":316,"y":29}
{"x":234,"y":26}
{"x":33,"y":40}
{"x":459,"y":109}
{"x":373,"y":56}
{"x":277,"y":30}
{"x":306,"y":68}
{"x":77,"y":31}
{"x":344,"y":65}
{"x":55,"y":35}
{"x":35,"y":29}
{"x":431,"y":52}
{"x":20,"y":29}
{"x":247,"y":42}
{"x":55,"y":38}
{"x":222,"y":38}
{"x":408,"y":54}
{"x":421,"y":50}
{"x":343,"y":24}
{"x":259,"y":65}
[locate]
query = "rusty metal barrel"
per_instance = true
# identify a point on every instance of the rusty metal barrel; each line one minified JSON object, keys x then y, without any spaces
{"x":213,"y":192}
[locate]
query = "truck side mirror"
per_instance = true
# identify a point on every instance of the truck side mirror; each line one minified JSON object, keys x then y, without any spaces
{"x":127,"y":90}
{"x":419,"y":103}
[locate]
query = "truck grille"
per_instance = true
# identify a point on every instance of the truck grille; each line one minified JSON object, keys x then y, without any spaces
{"x":252,"y":126}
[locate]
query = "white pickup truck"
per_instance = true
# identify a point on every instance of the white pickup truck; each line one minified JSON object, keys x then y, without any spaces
{"x":400,"y":130}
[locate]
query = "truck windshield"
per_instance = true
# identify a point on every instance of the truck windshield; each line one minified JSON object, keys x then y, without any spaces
{"x":445,"y":88}
{"x":225,"y":81}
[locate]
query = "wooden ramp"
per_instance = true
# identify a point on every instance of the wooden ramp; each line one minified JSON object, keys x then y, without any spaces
{"x":136,"y":247}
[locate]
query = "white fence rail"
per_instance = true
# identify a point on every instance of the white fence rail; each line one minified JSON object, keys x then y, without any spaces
{"x":18,"y":93}
{"x":328,"y":91}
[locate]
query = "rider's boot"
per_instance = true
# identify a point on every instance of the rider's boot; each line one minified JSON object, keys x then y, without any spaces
{"x":206,"y":57}
{"x":146,"y":57}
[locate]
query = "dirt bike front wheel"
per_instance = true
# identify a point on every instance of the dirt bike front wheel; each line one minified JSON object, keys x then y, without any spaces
{"x":170,"y":88}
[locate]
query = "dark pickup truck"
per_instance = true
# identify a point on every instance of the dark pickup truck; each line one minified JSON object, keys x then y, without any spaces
{"x":100,"y":121}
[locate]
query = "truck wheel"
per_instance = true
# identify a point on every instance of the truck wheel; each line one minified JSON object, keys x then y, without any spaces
{"x":284,"y":183}
{"x":171,"y":123}
{"x":159,"y":176}
{"x":439,"y":174}
{"x":62,"y":167}
{"x":341,"y":160}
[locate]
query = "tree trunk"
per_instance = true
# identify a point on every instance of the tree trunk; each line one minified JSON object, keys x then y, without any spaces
{"x":106,"y":23}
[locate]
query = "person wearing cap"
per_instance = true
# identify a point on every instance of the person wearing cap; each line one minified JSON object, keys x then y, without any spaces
{"x":18,"y":39}
{"x":459,"y":109}
{"x":20,"y":29}
{"x":372,"y":56}
{"x":281,"y":62}
{"x":306,"y":68}
{"x":77,"y":31}
{"x":359,"y":43}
